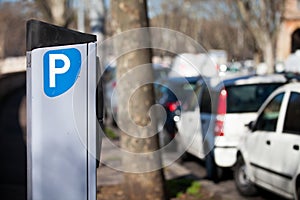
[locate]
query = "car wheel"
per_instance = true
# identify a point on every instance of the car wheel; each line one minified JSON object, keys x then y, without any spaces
{"x":242,"y":181}
{"x":213,"y":172}
{"x":298,"y":191}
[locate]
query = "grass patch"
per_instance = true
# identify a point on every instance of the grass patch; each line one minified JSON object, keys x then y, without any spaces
{"x":110,"y":133}
{"x":177,"y":187}
{"x":194,"y":189}
{"x":187,"y":189}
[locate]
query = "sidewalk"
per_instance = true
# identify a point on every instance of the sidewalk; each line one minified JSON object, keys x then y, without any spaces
{"x":108,"y":175}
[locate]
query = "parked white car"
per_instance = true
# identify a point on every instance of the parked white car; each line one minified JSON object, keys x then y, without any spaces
{"x":269,"y":154}
{"x":212,"y":129}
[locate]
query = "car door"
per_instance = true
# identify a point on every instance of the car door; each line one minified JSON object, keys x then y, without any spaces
{"x":189,"y":125}
{"x":207,"y":118}
{"x":259,"y":142}
{"x":285,"y":146}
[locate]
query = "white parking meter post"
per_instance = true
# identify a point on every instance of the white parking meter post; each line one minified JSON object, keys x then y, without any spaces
{"x":61,"y":113}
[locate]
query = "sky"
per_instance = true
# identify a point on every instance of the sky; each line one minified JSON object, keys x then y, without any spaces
{"x":1,"y":1}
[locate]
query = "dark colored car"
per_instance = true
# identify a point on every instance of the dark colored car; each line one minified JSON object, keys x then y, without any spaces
{"x":174,"y":95}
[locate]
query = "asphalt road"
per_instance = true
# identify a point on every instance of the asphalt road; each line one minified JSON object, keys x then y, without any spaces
{"x":226,"y":187}
{"x":190,"y":167}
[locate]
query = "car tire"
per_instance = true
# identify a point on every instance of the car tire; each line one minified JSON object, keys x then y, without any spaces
{"x":298,"y":190}
{"x":242,"y":181}
{"x":213,"y":172}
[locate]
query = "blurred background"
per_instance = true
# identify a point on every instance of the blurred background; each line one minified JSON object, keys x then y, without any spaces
{"x":240,"y":34}
{"x":213,"y":24}
{"x":240,"y":37}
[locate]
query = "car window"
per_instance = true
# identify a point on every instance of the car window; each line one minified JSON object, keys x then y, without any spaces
{"x":182,"y":92}
{"x":192,"y":101}
{"x":205,"y":101}
{"x":292,"y":117}
{"x":248,"y":98}
{"x":187,"y":93}
{"x":267,"y":121}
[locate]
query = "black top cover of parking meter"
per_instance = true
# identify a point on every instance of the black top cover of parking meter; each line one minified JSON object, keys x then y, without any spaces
{"x":40,"y":34}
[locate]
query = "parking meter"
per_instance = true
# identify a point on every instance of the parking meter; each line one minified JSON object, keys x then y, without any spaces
{"x":62,"y":131}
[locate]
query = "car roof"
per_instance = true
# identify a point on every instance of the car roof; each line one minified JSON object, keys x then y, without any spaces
{"x":293,"y":86}
{"x":179,"y":80}
{"x":247,"y":80}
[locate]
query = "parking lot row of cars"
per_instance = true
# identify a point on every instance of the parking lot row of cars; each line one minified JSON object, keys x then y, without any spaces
{"x":265,"y":153}
{"x":209,"y":116}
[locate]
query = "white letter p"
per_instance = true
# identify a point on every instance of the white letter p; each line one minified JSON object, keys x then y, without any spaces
{"x":53,"y":70}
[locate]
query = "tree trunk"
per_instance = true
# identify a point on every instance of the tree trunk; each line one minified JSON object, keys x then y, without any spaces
{"x":267,"y":48}
{"x":55,"y":11}
{"x":268,"y":55}
{"x":265,"y":38}
{"x":58,"y":8}
{"x":2,"y":45}
{"x":144,"y":177}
